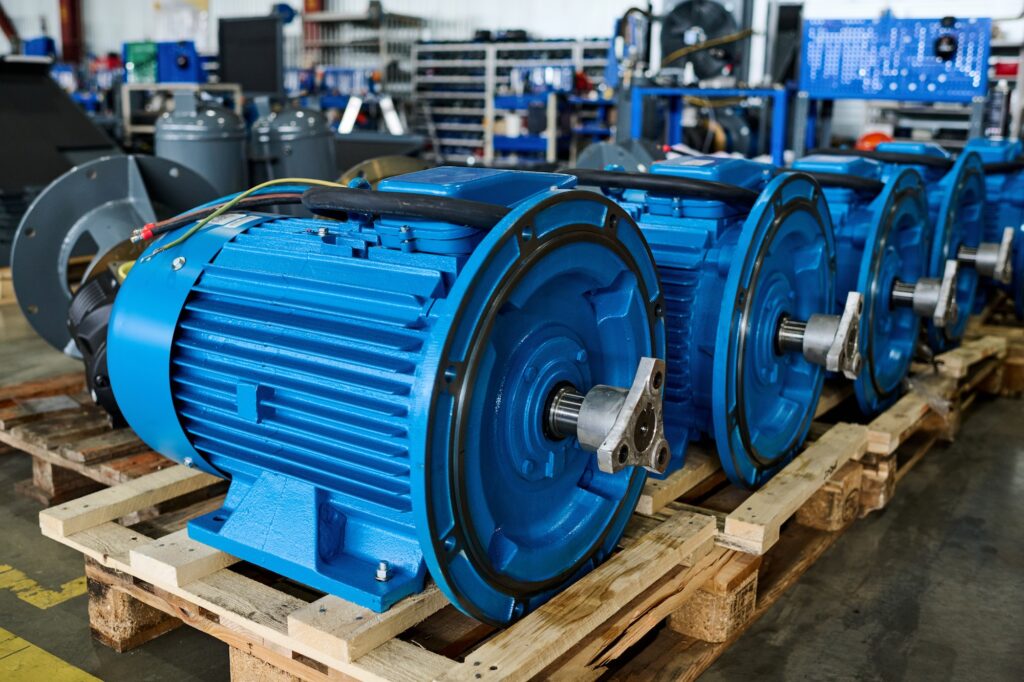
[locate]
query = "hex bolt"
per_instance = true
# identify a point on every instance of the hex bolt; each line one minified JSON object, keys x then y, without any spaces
{"x":188,"y":462}
{"x":178,"y":263}
{"x":323,"y":232}
{"x":383,"y":572}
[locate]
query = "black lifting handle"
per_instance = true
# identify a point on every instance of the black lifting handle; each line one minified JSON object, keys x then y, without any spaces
{"x":1004,"y":167}
{"x":890,"y":157}
{"x":844,"y":180}
{"x":665,"y":184}
{"x":339,"y":202}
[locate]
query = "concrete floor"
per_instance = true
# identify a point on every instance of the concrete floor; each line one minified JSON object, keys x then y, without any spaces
{"x":933,"y":588}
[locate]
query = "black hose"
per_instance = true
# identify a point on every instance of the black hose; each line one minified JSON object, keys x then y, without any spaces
{"x":1004,"y":167}
{"x":890,"y":157}
{"x":854,"y":182}
{"x":665,"y":184}
{"x":339,"y":202}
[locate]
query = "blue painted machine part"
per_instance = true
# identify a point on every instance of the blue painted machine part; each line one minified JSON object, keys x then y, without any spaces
{"x":956,"y":200}
{"x":375,"y":389}
{"x":1004,"y":207}
{"x":881,"y":238}
{"x":730,"y":274}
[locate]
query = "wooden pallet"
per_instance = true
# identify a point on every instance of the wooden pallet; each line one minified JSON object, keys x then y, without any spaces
{"x":706,"y":562}
{"x":73,"y":447}
{"x":1000,"y":320}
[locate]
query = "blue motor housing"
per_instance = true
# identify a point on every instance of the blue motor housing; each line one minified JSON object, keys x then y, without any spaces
{"x":376,"y":388}
{"x":1004,"y":207}
{"x":731,"y":273}
{"x":956,"y":202}
{"x":882,"y":230}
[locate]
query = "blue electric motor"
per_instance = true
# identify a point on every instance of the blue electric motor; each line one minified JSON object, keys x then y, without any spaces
{"x":747,"y":260}
{"x":1004,"y":211}
{"x":955,"y":190}
{"x":882,"y":231}
{"x":434,"y":384}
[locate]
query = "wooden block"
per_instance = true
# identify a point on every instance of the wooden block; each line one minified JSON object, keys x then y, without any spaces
{"x":837,"y":503}
{"x":698,"y":466}
{"x":877,"y":483}
{"x":247,"y":668}
{"x":52,"y":484}
{"x":113,"y":503}
{"x":723,"y":605}
{"x":895,"y":425}
{"x":570,"y":616}
{"x":177,"y":560}
{"x":754,"y":526}
{"x":1013,"y":377}
{"x":349,"y":631}
{"x":118,"y":620}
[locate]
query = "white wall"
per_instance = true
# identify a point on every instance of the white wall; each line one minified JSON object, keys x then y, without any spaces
{"x":108,"y":23}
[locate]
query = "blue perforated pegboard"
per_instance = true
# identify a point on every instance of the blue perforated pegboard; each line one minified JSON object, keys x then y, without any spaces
{"x":889,"y":58}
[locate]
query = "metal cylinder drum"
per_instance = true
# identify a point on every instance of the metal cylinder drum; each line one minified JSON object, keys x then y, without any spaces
{"x":292,"y":143}
{"x":882,"y":231}
{"x":1003,"y":161}
{"x":378,"y":389}
{"x":956,"y":203}
{"x":208,"y":138}
{"x":744,"y":280}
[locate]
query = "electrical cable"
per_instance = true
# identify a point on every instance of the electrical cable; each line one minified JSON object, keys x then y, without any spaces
{"x":338,"y":202}
{"x":228,"y":205}
{"x":170,"y":224}
{"x":674,"y":186}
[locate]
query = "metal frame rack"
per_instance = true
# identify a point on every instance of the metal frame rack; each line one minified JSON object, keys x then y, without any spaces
{"x":366,"y":40}
{"x":455,"y":85}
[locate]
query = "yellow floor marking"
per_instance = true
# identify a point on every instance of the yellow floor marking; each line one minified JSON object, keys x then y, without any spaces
{"x":23,"y":661}
{"x":30,"y":591}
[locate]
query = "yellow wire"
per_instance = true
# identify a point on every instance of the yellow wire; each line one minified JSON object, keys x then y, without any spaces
{"x":230,"y":204}
{"x":124,"y":268}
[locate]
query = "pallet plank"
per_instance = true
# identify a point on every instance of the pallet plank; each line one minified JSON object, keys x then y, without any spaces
{"x":333,"y":624}
{"x":571,"y":615}
{"x":113,"y":503}
{"x":754,"y":527}
{"x":63,"y":383}
{"x":177,"y":560}
{"x":957,"y":362}
{"x":104,"y":446}
{"x":889,"y":429}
